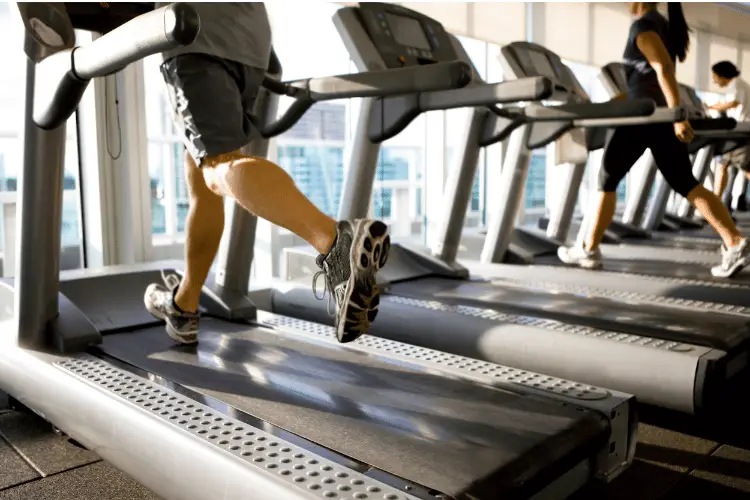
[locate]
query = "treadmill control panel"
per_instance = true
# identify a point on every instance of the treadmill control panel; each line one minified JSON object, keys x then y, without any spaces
{"x":525,"y":59}
{"x":405,"y":37}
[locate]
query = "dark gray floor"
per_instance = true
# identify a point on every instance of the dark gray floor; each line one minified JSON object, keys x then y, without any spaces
{"x":673,"y":464}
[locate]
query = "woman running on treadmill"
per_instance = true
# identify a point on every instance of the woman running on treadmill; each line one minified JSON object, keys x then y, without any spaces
{"x":213,"y":84}
{"x":653,"y":46}
{"x":735,"y":105}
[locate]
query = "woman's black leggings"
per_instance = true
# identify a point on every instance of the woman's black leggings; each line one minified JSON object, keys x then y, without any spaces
{"x":627,"y":144}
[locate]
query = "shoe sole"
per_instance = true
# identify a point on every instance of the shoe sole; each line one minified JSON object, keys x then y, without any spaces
{"x":369,"y":253}
{"x":171,"y":331}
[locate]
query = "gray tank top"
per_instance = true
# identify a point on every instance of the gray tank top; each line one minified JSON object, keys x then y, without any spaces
{"x":236,"y":31}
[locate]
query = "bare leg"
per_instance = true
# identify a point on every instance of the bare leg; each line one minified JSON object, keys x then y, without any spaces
{"x":720,"y":179}
{"x":605,"y":212}
{"x":266,"y":190}
{"x":716,"y":213}
{"x":203,"y":230}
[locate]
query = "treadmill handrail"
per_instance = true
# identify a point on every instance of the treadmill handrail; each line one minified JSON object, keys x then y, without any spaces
{"x":62,"y":78}
{"x":488,"y":94}
{"x":172,"y":26}
{"x":597,"y":111}
{"x":381,"y":83}
{"x":660,"y":115}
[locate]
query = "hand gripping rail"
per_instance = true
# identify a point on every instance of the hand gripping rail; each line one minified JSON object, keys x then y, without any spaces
{"x":62,"y":77}
{"x":383,"y":83}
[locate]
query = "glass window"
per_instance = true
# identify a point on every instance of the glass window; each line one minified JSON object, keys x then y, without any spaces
{"x":12,"y":81}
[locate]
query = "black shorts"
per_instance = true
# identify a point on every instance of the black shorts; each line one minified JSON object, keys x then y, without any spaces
{"x":213,"y":100}
{"x":627,"y":144}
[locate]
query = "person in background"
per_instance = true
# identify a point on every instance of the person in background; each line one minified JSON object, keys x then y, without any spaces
{"x":653,"y":47}
{"x":213,"y":85}
{"x":726,"y":74}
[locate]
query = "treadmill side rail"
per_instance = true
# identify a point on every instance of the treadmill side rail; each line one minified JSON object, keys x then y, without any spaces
{"x":99,"y":405}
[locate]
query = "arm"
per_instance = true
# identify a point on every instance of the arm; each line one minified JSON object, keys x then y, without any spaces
{"x":651,"y":46}
{"x":724,"y":106}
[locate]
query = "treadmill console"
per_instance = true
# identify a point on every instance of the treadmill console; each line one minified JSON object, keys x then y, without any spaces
{"x":405,"y":37}
{"x":525,"y":59}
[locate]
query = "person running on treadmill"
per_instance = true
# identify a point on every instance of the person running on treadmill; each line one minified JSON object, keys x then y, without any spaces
{"x":724,"y":74}
{"x":212,"y":86}
{"x":653,"y":46}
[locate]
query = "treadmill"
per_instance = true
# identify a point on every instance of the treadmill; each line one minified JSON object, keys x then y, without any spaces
{"x":262,"y":408}
{"x":430,"y":300}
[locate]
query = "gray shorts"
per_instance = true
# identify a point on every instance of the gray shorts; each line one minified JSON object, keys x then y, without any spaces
{"x":213,"y":100}
{"x":737,"y":158}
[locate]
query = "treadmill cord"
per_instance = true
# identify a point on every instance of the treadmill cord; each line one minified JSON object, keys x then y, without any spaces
{"x":117,"y":116}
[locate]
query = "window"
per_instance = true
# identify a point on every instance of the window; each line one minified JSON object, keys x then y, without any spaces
{"x":313,"y":151}
{"x":12,"y":81}
{"x":169,"y":201}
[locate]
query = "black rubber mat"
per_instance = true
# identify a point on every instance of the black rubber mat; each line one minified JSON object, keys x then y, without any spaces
{"x":446,"y":434}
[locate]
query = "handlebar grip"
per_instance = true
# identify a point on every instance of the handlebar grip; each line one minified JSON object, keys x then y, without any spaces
{"x":175,"y":25}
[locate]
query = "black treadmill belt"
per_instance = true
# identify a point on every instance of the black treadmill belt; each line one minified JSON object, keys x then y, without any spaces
{"x":696,"y":327}
{"x":446,"y":434}
{"x":690,"y":271}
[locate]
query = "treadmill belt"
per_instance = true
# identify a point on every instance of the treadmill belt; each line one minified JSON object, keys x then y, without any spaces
{"x":677,"y":270}
{"x":447,"y":434}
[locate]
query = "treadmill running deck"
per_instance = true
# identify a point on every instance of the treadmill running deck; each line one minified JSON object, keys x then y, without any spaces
{"x":450,"y":435}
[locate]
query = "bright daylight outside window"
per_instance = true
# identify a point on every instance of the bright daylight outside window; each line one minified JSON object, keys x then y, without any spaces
{"x":12,"y":81}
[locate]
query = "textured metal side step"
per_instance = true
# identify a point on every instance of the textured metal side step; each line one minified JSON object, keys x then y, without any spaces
{"x":311,"y":475}
{"x":586,"y":291}
{"x":615,"y":405}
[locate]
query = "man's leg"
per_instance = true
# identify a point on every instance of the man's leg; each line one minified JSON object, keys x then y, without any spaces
{"x":351,"y":252}
{"x":177,"y":302}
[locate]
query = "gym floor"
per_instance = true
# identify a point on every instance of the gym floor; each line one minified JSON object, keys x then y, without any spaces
{"x":677,"y":459}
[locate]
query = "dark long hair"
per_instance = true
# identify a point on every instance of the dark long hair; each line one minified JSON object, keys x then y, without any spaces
{"x":679,"y":31}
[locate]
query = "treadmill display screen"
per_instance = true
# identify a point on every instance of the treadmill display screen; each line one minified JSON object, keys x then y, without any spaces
{"x":542,"y":64}
{"x":408,"y":31}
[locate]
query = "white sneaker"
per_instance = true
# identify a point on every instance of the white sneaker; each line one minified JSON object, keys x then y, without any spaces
{"x":578,"y":255}
{"x":732,"y":260}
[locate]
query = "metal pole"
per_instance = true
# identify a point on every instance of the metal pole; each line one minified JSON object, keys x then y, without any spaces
{"x":561,"y":218}
{"x":700,"y":170}
{"x":512,"y":180}
{"x":363,"y":165}
{"x":658,"y":207}
{"x":636,"y":206}
{"x":37,"y":274}
{"x":457,"y":194}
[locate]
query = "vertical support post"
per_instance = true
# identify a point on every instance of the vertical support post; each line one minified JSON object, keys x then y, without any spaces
{"x":457,"y":194}
{"x":658,"y":207}
{"x":236,"y":250}
{"x":561,"y":218}
{"x":37,"y":274}
{"x":513,"y":177}
{"x":726,"y":196}
{"x":700,"y":170}
{"x":359,"y":177}
{"x":636,"y":206}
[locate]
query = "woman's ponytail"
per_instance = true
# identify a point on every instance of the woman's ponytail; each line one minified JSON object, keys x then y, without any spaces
{"x":679,"y":32}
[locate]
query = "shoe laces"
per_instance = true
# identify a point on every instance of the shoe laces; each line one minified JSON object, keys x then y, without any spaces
{"x":172,"y":281}
{"x":328,"y":289}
